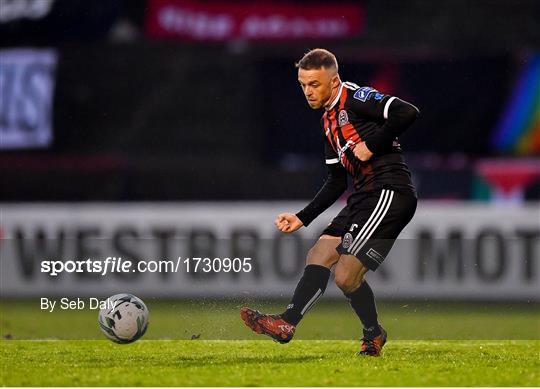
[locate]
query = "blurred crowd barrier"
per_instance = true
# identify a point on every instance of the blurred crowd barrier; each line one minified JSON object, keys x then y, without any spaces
{"x":185,"y":100}
{"x":453,"y":251}
{"x":214,"y":124}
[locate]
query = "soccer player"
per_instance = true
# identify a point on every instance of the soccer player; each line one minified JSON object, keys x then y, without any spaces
{"x":361,"y":127}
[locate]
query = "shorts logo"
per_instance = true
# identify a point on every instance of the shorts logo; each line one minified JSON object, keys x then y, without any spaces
{"x":376,"y":256}
{"x":343,"y":118}
{"x":365,"y":93}
{"x":347,"y":240}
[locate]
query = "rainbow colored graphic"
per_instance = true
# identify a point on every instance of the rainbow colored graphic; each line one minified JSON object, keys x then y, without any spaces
{"x":518,"y":131}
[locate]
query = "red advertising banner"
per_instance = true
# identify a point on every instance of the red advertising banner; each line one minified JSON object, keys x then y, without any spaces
{"x":218,"y":21}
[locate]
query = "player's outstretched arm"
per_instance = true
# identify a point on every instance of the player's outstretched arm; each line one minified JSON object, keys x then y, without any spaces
{"x":333,"y":188}
{"x":288,"y":222}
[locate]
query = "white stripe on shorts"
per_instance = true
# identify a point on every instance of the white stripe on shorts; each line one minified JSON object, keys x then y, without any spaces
{"x":373,"y":222}
{"x":376,"y":224}
{"x":375,"y":211}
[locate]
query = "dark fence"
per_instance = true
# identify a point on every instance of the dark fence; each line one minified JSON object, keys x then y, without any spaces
{"x":172,"y":120}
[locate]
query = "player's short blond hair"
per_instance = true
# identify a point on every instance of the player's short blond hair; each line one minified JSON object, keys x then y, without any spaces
{"x":316,"y":59}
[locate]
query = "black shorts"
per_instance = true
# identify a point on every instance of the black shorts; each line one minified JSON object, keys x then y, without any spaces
{"x":370,"y":224}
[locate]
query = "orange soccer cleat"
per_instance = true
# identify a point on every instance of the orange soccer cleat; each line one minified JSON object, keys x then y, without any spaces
{"x":373,"y":346}
{"x":272,"y":325}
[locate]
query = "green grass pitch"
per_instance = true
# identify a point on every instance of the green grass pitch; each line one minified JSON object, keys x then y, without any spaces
{"x":265,"y":363}
{"x":429,"y":345}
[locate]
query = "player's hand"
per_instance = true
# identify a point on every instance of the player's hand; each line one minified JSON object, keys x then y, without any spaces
{"x":362,"y":152}
{"x":288,"y":222}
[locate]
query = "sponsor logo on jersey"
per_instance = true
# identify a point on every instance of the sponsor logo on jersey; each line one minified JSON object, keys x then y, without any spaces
{"x":343,"y":118}
{"x":366,"y":92}
{"x":375,"y":255}
{"x":347,"y":240}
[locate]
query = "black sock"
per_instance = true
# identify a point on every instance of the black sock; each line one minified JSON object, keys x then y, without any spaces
{"x":362,"y":301}
{"x":310,"y":288}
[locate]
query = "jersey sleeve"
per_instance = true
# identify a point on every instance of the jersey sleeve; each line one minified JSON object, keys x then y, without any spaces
{"x":371,"y":104}
{"x":333,"y":187}
{"x":330,"y":155}
{"x":394,"y":114}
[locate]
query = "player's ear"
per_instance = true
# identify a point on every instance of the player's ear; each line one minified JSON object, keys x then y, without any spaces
{"x":335,"y":80}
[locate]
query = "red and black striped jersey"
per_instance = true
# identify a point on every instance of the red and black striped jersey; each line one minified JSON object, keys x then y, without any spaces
{"x":356,"y":114}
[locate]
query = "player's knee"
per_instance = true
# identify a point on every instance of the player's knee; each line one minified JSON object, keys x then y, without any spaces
{"x":345,"y":282}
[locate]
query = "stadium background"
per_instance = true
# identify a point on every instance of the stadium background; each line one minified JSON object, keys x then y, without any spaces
{"x":159,"y":128}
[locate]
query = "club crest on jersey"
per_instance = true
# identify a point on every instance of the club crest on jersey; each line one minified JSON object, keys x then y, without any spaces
{"x":347,"y":240}
{"x":343,"y":118}
{"x":364,"y":93}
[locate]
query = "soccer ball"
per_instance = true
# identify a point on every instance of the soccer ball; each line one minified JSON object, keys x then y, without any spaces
{"x":125,"y":319}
